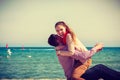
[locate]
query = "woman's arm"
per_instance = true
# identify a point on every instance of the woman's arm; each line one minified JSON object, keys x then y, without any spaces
{"x":70,"y":45}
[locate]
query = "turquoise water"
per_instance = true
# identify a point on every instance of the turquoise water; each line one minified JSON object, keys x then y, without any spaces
{"x":41,"y":62}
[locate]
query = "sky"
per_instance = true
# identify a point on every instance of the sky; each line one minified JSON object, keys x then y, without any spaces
{"x":30,"y":22}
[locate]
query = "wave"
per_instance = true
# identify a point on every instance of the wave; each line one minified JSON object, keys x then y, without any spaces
{"x":32,"y":49}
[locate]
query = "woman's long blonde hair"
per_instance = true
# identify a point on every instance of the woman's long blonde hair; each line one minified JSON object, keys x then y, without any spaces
{"x":68,"y":29}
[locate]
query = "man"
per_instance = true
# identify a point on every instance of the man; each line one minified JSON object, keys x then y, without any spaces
{"x":68,"y":62}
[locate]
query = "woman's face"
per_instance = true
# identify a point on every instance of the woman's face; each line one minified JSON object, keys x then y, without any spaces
{"x":61,"y":30}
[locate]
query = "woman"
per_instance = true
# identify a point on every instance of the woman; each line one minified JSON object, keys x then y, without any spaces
{"x":69,"y":38}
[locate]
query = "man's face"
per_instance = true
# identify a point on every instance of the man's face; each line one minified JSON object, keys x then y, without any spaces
{"x":59,"y":39}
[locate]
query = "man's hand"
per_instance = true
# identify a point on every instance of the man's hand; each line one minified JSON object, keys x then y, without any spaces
{"x":59,"y":47}
{"x":58,"y":53}
{"x":98,"y":47}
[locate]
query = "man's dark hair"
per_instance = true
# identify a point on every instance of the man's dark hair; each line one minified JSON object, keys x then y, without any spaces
{"x":52,"y":40}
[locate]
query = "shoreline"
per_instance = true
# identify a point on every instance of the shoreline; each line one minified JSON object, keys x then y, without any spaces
{"x":35,"y":79}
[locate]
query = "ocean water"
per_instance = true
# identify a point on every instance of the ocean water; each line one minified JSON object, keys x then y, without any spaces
{"x":42,"y":62}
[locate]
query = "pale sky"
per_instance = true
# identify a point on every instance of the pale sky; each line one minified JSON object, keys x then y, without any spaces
{"x":30,"y":22}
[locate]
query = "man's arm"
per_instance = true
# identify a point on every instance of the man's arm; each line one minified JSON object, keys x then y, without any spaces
{"x":60,"y":47}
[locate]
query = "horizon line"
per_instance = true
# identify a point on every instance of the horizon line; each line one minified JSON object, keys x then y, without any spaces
{"x":48,"y":46}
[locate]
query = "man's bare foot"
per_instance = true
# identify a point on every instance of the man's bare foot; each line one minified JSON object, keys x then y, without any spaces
{"x":98,"y":47}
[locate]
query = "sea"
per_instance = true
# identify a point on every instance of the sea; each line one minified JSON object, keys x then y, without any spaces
{"x":42,"y":63}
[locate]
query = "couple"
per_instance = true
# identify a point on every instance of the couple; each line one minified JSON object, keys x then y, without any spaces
{"x":75,"y":58}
